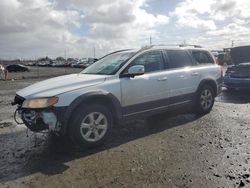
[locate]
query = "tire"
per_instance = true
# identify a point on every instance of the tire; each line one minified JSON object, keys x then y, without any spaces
{"x":91,"y":125}
{"x":204,"y":100}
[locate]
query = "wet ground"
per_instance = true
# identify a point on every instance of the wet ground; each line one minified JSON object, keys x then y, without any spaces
{"x":171,"y":151}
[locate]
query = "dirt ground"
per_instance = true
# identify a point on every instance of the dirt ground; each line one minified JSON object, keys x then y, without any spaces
{"x":172,"y":151}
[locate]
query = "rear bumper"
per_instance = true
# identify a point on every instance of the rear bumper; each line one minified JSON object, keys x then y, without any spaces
{"x":236,"y":82}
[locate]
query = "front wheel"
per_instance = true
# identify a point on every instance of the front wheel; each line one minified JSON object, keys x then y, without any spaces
{"x":91,"y":125}
{"x":204,"y":100}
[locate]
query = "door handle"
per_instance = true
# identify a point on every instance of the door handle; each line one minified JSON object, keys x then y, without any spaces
{"x":194,"y":73}
{"x":162,"y":79}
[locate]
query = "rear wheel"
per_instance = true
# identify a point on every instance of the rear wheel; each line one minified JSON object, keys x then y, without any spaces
{"x":91,"y":125}
{"x":205,"y":99}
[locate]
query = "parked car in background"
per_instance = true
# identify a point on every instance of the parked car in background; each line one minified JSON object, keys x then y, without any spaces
{"x":70,"y":61}
{"x":81,"y":65}
{"x":121,"y":86}
{"x":237,"y":76}
{"x":34,"y":63}
{"x":44,"y":63}
{"x":84,"y":63}
{"x":58,"y":64}
{"x":90,"y":61}
{"x":17,"y":68}
{"x":224,"y":58}
{"x":215,"y":54}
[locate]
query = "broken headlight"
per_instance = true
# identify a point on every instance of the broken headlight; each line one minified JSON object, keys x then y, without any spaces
{"x":40,"y":102}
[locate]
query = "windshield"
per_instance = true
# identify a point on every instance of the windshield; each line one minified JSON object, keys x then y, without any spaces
{"x":110,"y":64}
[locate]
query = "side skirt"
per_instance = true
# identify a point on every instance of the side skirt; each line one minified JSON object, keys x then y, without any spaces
{"x":144,"y":110}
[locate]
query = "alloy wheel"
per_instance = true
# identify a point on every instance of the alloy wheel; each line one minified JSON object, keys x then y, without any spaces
{"x":206,"y":99}
{"x":94,"y":126}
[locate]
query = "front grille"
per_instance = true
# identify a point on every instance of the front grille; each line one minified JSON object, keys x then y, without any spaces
{"x":18,"y":100}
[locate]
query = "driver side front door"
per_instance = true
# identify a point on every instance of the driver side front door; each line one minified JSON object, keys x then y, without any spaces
{"x":148,"y":91}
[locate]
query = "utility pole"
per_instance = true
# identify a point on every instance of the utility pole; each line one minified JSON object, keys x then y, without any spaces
{"x":65,"y":54}
{"x":94,"y":51}
{"x":232,"y":43}
{"x":65,"y":57}
{"x":150,"y":40}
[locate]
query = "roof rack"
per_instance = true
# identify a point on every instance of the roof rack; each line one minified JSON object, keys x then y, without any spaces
{"x":120,"y":51}
{"x":115,"y":52}
{"x":177,"y":45}
{"x":194,"y":45}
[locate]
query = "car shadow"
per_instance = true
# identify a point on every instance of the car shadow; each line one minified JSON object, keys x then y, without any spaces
{"x":24,"y":154}
{"x":236,"y":96}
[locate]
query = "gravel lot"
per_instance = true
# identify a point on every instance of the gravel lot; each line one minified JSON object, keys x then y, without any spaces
{"x":171,"y":151}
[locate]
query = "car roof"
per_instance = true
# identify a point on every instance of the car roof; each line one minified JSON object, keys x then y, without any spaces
{"x":162,"y":47}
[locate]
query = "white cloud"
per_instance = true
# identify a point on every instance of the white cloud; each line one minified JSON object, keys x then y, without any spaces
{"x":118,"y":24}
{"x":31,"y":28}
{"x":213,"y":23}
{"x":231,"y":29}
{"x":39,"y":27}
{"x":34,"y":28}
{"x":223,"y":37}
{"x":232,"y":8}
{"x":190,"y":12}
{"x":196,"y":13}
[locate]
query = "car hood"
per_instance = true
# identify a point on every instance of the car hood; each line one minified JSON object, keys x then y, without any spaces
{"x":61,"y":84}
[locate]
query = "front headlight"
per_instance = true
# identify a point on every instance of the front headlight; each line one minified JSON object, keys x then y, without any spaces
{"x":40,"y":102}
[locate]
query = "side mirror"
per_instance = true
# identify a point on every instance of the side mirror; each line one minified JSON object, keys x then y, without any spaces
{"x":136,"y":70}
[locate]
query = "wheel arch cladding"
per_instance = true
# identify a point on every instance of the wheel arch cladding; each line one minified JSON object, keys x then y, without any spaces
{"x":209,"y":82}
{"x":103,"y":98}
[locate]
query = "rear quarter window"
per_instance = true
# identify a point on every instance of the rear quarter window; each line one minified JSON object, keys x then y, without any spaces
{"x":202,"y":57}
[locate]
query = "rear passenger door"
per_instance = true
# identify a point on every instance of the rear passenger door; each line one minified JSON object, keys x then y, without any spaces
{"x":182,"y":79}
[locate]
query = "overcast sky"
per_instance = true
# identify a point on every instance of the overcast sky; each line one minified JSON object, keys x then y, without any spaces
{"x":36,"y":28}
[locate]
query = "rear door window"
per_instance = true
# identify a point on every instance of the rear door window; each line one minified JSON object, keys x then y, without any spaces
{"x":202,"y":57}
{"x":178,"y":59}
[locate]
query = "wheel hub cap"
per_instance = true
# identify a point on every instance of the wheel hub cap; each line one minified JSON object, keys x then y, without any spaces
{"x":94,"y":126}
{"x":206,"y":99}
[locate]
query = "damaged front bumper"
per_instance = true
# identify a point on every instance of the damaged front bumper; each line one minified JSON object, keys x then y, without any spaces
{"x":38,"y":120}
